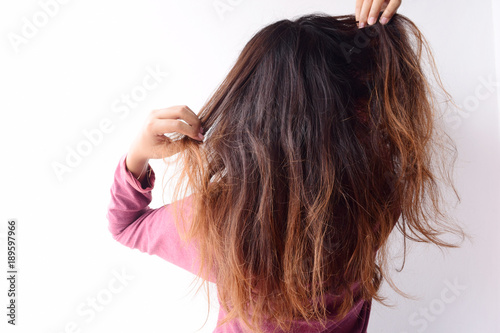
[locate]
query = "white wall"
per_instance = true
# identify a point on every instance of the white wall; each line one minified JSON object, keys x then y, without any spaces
{"x":65,"y":79}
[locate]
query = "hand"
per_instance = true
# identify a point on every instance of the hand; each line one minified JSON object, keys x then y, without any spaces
{"x":151,"y":143}
{"x":367,"y":11}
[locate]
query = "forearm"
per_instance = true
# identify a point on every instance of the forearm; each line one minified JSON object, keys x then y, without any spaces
{"x":137,"y":165}
{"x":129,"y":199}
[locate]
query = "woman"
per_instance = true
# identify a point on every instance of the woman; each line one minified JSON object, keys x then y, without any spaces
{"x":320,"y":140}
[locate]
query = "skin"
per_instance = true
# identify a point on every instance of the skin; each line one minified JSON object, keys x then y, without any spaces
{"x":367,"y":11}
{"x":151,"y":143}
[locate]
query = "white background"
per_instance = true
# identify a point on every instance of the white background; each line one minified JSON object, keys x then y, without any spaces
{"x":65,"y":79}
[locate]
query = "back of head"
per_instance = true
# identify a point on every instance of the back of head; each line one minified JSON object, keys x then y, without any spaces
{"x":318,"y":142}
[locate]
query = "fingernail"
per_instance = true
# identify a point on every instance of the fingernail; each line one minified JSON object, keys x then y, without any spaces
{"x":361,"y":25}
{"x":201,"y":136}
{"x":372,"y":20}
{"x":201,"y":130}
{"x":384,"y":20}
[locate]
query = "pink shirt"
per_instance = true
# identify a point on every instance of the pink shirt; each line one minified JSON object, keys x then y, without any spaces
{"x":134,"y":224}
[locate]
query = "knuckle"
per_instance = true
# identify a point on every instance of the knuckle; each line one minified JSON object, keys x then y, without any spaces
{"x":151,"y":117}
{"x":184,"y":110}
{"x":177,"y":126}
{"x":150,"y":125}
{"x":178,"y":110}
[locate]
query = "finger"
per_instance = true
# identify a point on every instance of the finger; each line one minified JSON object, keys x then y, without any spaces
{"x":374,"y":11}
{"x":363,"y":15}
{"x":389,"y":12}
{"x":179,"y":112}
{"x":195,"y":118}
{"x":384,"y":5}
{"x":357,"y":10}
{"x":163,"y":126}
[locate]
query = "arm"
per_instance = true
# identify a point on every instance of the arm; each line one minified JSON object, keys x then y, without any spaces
{"x":131,"y":221}
{"x":134,"y":224}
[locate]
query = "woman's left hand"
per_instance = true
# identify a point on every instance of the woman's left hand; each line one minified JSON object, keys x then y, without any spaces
{"x":151,"y":143}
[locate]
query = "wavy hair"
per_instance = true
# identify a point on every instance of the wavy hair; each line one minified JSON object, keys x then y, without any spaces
{"x":321,"y":139}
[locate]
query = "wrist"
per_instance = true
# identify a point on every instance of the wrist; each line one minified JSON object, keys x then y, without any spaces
{"x":137,"y":164}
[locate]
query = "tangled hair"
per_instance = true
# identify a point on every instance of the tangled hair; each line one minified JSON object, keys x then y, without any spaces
{"x":321,"y":139}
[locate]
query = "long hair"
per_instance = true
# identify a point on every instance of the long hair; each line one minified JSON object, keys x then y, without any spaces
{"x":321,"y":139}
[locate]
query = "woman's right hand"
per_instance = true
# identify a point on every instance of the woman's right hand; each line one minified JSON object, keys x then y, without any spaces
{"x":367,"y":11}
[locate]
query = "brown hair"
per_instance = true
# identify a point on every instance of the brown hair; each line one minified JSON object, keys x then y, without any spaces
{"x":319,"y":141}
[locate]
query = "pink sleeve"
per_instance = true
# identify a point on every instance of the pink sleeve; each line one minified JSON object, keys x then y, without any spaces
{"x":134,"y":224}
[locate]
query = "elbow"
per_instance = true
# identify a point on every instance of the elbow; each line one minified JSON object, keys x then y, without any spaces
{"x":114,"y":227}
